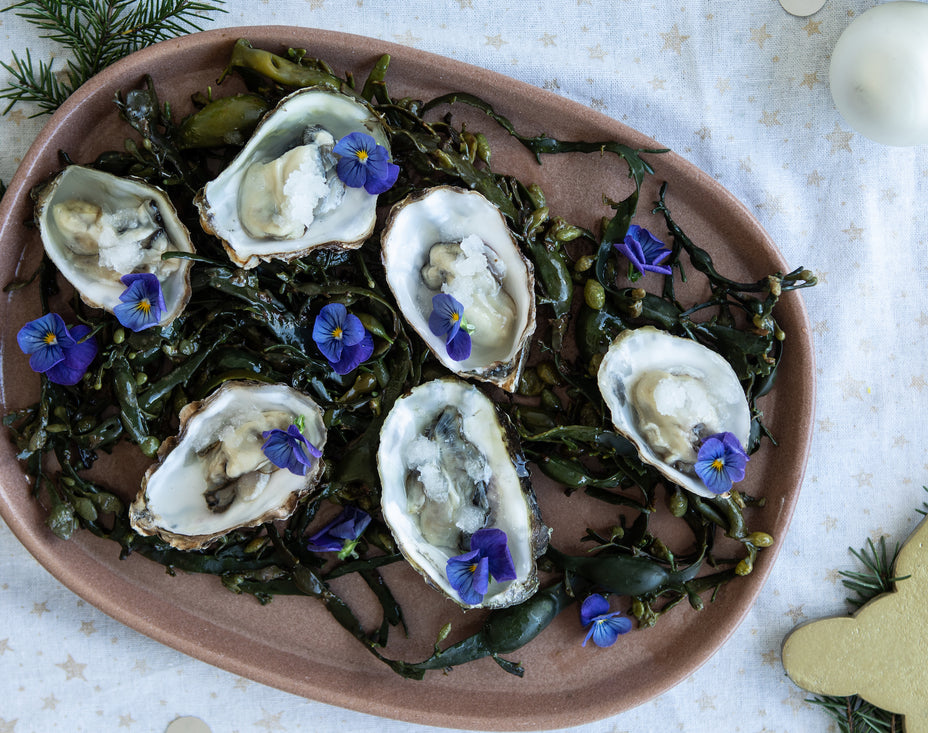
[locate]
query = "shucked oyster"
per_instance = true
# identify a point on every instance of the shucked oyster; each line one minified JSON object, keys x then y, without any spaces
{"x":214,"y":477}
{"x":280,"y":197}
{"x":448,"y":468}
{"x":452,"y":241}
{"x":97,"y":227}
{"x":667,"y":394}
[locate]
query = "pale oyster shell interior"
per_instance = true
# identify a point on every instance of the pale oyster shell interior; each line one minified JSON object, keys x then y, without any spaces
{"x":97,"y":227}
{"x":417,"y":231}
{"x":666,"y":394}
{"x":217,"y":457}
{"x":347,"y":224}
{"x":484,"y":444}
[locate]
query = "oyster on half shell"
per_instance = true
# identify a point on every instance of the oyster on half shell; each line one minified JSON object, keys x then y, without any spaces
{"x":213,"y":476}
{"x":447,"y":240}
{"x":667,"y":394}
{"x":280,"y":197}
{"x":97,"y":227}
{"x":449,"y":466}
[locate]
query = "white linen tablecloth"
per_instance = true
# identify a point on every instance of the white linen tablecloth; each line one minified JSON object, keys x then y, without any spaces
{"x":740,"y":89}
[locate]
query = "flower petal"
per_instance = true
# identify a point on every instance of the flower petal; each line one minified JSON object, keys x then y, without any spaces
{"x":328,"y":328}
{"x":384,"y":182}
{"x":492,"y":543}
{"x":352,"y":330}
{"x":469,"y":575}
{"x":77,"y":358}
{"x":348,"y":526}
{"x":459,"y":346}
{"x":593,"y":605}
{"x":351,"y":172}
{"x":353,"y":356}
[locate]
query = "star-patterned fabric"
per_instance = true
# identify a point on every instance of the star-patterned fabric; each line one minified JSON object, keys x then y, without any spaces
{"x":740,"y":89}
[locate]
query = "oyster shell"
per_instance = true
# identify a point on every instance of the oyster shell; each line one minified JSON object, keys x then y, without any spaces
{"x":97,"y":227}
{"x":667,"y":394}
{"x":455,"y":241}
{"x":449,"y":466}
{"x":213,"y":476}
{"x":280,"y":198}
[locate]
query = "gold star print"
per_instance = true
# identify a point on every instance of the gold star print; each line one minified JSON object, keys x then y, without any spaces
{"x":771,"y":658}
{"x":87,"y":628}
{"x":703,"y":133}
{"x":853,"y":232}
{"x":826,"y":425}
{"x":126,"y":721}
{"x":810,"y":80}
{"x":72,"y":669}
{"x":899,"y":441}
{"x":39,"y":608}
{"x":922,"y":319}
{"x":769,"y":119}
{"x":598,"y":103}
{"x":863,"y":479}
{"x":548,"y":40}
{"x":316,"y":4}
{"x":813,"y":27}
{"x":673,"y":41}
{"x":271,"y":722}
{"x":796,"y":613}
{"x":760,"y":35}
{"x":50,"y":702}
{"x":918,"y":383}
{"x":596,"y":52}
{"x":465,"y":4}
{"x":706,"y":702}
{"x":496,"y":41}
{"x":407,"y":39}
{"x":7,"y":726}
{"x":552,"y":84}
{"x":723,"y":85}
{"x":851,"y":387}
{"x":745,"y":164}
{"x":815,"y":179}
{"x":4,"y":646}
{"x":820,"y":328}
{"x":839,"y":139}
{"x":829,"y":523}
{"x":888,"y":194}
{"x":657,"y":83}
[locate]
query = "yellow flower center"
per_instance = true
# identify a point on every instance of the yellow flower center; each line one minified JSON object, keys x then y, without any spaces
{"x":455,"y":317}
{"x":362,"y":156}
{"x":718,"y":464}
{"x":144,"y":305}
{"x":50,"y":338}
{"x":473,"y":568}
{"x":337,"y":332}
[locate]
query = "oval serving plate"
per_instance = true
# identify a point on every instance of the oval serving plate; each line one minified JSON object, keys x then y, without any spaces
{"x":293,"y":644}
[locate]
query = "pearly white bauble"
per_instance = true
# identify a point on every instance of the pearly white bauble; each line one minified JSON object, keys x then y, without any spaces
{"x":879,"y":73}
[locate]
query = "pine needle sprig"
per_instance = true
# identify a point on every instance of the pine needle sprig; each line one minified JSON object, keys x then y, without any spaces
{"x":877,"y":577}
{"x":97,"y":33}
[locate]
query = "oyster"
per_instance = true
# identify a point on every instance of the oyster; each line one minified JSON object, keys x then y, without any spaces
{"x":280,"y":197}
{"x":449,"y":466}
{"x":213,"y":476}
{"x":97,"y":227}
{"x":457,"y":242}
{"x":667,"y":394}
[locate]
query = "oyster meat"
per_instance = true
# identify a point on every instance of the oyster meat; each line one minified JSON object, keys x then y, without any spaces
{"x":452,"y":241}
{"x":667,"y":394}
{"x":214,"y":477}
{"x":449,"y":466}
{"x":97,"y":227}
{"x":280,"y":197}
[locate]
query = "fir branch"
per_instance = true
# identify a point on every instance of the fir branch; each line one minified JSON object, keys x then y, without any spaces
{"x":97,"y":33}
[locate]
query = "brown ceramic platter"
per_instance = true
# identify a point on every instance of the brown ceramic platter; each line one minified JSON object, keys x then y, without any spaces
{"x":293,"y":644}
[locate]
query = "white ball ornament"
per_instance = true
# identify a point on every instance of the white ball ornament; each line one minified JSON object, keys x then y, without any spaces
{"x":879,"y":73}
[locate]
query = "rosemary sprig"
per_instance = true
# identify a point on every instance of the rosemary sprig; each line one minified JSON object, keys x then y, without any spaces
{"x":97,"y":33}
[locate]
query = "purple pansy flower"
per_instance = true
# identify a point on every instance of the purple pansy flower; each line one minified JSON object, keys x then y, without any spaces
{"x":55,"y":351}
{"x":605,"y":627}
{"x":644,"y":251}
{"x":447,"y":320}
{"x":142,"y":302}
{"x":342,"y":533}
{"x":469,"y":574}
{"x":342,"y":338}
{"x":290,"y":449}
{"x":364,"y":163}
{"x":721,"y":462}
